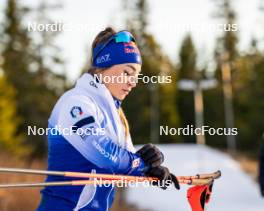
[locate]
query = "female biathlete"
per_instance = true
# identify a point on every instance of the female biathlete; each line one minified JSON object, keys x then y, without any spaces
{"x":96,"y":105}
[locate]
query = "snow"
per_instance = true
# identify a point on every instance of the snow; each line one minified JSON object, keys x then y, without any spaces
{"x":234,"y":191}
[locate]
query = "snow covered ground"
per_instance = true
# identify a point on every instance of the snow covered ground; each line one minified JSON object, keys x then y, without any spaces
{"x":234,"y":191}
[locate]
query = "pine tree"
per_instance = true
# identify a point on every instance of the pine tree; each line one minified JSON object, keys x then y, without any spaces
{"x":227,"y":41}
{"x":16,"y":60}
{"x":226,"y":47}
{"x":149,"y":106}
{"x":185,"y":99}
{"x":9,"y":139}
{"x":249,"y":95}
{"x":29,"y":69}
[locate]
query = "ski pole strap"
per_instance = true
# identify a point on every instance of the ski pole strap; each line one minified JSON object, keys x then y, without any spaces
{"x":198,"y":196}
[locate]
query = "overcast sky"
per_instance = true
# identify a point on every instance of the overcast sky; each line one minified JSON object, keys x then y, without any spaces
{"x":169,"y":21}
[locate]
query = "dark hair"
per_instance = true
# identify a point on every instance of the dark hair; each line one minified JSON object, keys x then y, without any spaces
{"x":101,"y":38}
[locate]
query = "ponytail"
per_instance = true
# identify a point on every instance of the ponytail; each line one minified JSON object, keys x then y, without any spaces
{"x":124,"y":121}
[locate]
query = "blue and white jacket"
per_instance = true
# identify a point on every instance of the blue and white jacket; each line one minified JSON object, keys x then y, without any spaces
{"x":89,"y":106}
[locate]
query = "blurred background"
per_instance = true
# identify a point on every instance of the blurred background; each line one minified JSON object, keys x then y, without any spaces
{"x":212,"y":49}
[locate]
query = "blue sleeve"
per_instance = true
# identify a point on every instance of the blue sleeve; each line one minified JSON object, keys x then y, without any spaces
{"x":108,"y":155}
{"x":96,"y":147}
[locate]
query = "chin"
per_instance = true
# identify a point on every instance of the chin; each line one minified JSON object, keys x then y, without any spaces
{"x":121,"y":97}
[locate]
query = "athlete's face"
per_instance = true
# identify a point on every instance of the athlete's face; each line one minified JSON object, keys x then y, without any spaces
{"x":121,"y":79}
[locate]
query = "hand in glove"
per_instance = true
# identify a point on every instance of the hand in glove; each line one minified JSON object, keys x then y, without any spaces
{"x":165,"y":177}
{"x":151,"y":155}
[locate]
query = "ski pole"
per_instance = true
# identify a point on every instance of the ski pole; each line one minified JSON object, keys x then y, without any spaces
{"x":65,"y":183}
{"x":95,"y":182}
{"x":214,"y":175}
{"x":75,"y":174}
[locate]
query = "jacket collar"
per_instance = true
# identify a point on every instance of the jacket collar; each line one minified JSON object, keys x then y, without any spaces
{"x":87,"y":80}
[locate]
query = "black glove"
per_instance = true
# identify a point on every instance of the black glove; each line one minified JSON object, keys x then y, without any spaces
{"x":164,"y":176}
{"x":151,"y":155}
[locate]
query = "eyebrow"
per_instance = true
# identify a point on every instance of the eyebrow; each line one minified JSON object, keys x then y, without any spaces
{"x":131,"y":67}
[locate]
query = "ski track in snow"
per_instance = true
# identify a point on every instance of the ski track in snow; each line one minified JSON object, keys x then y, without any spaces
{"x":234,"y":191}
